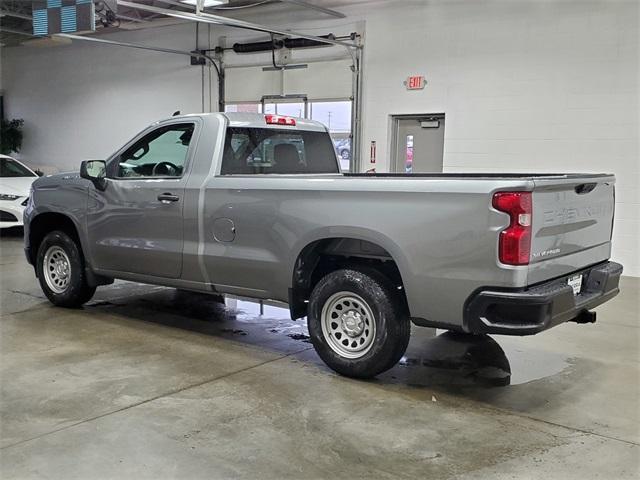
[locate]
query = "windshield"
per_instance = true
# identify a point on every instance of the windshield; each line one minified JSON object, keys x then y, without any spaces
{"x":11,"y":168}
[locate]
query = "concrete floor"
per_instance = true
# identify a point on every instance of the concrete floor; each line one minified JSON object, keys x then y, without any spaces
{"x":147,"y":382}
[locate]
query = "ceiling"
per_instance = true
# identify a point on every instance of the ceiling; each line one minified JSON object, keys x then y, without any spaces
{"x":16,"y":23}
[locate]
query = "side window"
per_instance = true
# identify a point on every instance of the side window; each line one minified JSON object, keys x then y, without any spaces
{"x":264,"y":151}
{"x":161,"y":153}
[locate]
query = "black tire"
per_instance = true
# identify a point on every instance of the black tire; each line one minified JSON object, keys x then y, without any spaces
{"x":77,"y":291}
{"x":392,"y":324}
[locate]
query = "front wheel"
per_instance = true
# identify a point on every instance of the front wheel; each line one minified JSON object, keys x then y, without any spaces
{"x":61,"y":274}
{"x":358,"y":323}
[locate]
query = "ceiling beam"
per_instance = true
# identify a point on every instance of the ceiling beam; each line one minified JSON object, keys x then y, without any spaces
{"x":8,"y":13}
{"x":86,"y":38}
{"x":317,"y":8}
{"x":16,"y":32}
{"x":232,"y":22}
{"x":175,"y":3}
{"x":300,"y":3}
{"x":131,"y":19}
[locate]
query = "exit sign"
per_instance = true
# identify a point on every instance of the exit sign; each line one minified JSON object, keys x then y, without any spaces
{"x":415,"y":82}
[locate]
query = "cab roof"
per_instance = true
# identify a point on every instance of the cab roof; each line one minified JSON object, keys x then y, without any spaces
{"x":254,"y":120}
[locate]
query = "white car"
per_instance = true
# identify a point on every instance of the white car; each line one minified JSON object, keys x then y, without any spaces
{"x":15,"y":183}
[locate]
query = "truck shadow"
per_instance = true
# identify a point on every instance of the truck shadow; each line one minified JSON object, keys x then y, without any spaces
{"x":449,"y":360}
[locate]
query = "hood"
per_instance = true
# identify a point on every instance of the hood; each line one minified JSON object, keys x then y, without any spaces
{"x":16,"y":185}
{"x":60,"y":180}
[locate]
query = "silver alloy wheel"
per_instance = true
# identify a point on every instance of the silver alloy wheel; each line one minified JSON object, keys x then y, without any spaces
{"x":56,"y":269}
{"x":348,"y":324}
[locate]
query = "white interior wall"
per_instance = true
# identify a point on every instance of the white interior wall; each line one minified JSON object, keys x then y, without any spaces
{"x":533,"y":85}
{"x":526,"y":86}
{"x":83,"y":100}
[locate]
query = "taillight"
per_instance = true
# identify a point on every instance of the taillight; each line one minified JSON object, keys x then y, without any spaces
{"x":280,"y":120}
{"x":515,"y":241}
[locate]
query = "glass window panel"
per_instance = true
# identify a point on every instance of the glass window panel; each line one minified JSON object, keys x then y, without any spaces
{"x":408,"y":164}
{"x":160,"y":153}
{"x":337,"y":117}
{"x":290,"y":109}
{"x":262,"y":150}
{"x":243,"y":107}
{"x":11,"y":168}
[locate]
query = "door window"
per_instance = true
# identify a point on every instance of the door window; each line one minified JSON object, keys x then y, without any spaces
{"x":161,"y":153}
{"x":408,"y":160}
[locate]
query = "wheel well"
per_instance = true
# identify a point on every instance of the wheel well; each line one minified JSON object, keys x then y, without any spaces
{"x":325,"y":256}
{"x":45,"y":223}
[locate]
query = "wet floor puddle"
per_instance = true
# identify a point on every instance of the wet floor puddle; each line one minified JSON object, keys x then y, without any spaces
{"x":449,"y":358}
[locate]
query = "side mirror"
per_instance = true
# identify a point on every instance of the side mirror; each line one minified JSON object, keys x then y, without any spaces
{"x":95,"y":171}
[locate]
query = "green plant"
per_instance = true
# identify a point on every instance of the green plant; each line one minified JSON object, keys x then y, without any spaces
{"x":11,"y":136}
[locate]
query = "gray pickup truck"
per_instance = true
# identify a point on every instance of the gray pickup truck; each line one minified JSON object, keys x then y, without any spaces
{"x":256,"y":206}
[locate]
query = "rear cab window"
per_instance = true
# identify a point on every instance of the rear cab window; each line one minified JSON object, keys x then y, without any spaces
{"x":254,"y":151}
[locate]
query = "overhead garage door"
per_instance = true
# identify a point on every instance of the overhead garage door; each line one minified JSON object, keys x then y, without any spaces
{"x":321,"y":91}
{"x":321,"y":80}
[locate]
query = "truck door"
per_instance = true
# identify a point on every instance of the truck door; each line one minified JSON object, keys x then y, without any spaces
{"x":136,"y":224}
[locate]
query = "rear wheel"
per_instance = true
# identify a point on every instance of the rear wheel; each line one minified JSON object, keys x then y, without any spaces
{"x":358,"y":323}
{"x":60,"y":267}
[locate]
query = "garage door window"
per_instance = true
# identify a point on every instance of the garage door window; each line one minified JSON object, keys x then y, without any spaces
{"x":336,"y":115}
{"x":248,"y":107}
{"x":250,"y":151}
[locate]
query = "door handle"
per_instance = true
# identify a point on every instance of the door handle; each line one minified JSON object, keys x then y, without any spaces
{"x":167,"y":198}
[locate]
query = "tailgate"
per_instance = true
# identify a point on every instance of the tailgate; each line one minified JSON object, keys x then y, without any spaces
{"x":572,"y":224}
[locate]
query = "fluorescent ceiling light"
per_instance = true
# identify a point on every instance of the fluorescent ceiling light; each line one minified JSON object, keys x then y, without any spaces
{"x":207,"y":3}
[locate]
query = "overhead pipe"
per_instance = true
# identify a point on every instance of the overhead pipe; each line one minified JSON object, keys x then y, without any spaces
{"x":300,"y":3}
{"x":131,"y":19}
{"x":317,"y":8}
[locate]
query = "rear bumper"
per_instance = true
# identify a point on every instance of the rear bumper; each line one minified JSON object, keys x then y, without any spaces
{"x":537,"y":308}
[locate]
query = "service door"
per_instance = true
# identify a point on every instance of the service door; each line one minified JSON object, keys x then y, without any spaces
{"x":419,"y":144}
